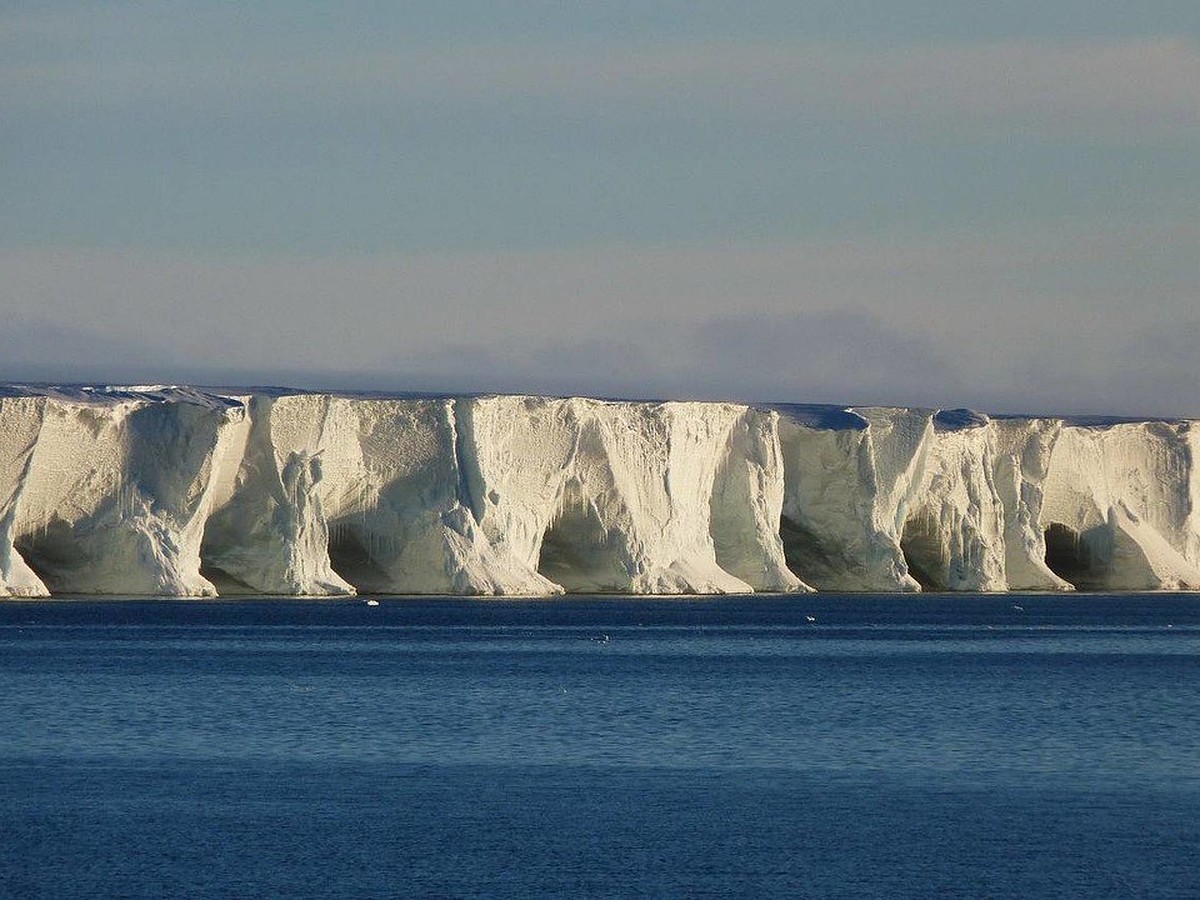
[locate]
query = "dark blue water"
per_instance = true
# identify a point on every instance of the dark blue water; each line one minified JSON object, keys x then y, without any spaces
{"x":892,"y":747}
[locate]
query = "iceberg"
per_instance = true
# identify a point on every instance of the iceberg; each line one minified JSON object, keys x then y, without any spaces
{"x":180,"y":491}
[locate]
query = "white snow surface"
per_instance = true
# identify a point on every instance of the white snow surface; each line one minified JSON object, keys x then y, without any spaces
{"x":171,"y":490}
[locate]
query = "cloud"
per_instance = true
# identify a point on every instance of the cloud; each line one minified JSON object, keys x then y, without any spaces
{"x":846,"y":356}
{"x":35,"y":350}
{"x":794,"y":357}
{"x":852,"y":358}
{"x":1077,"y":319}
{"x":1153,"y":371}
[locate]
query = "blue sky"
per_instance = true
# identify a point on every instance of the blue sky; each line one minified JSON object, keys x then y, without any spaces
{"x":941,"y":203}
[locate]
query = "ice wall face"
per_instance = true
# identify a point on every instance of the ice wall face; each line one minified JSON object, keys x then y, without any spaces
{"x":953,"y":537}
{"x":1023,"y":449}
{"x":630,"y":497}
{"x":878,"y":499}
{"x":182,"y":492}
{"x":892,"y":499}
{"x":747,"y":504}
{"x":847,"y":487}
{"x":1119,"y":506}
{"x":400,"y":507}
{"x":502,"y":495}
{"x":115,"y":493}
{"x":268,"y":532}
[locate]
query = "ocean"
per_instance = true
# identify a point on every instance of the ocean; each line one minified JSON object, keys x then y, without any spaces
{"x":801,"y":746}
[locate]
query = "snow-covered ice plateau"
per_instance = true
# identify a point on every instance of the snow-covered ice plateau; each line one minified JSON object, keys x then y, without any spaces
{"x":179,"y":491}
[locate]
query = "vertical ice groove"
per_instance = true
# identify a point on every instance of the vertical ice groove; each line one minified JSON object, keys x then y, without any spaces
{"x":747,"y":502}
{"x":1192,"y":475}
{"x":1023,"y":450}
{"x":20,"y":426}
{"x":470,"y":481}
{"x":953,"y":533}
{"x":270,"y":534}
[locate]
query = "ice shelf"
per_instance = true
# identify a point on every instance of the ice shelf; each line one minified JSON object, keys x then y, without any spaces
{"x":187,"y":492}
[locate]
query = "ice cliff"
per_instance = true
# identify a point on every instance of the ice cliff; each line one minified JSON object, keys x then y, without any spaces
{"x":179,"y":491}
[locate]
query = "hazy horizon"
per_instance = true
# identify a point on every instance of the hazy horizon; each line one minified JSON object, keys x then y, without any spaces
{"x":841,"y":203}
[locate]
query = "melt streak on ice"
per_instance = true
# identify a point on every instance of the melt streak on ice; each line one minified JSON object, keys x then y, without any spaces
{"x":186,"y":492}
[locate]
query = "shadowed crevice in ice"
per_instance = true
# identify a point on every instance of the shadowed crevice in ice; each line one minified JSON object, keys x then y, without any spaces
{"x":225,"y":584}
{"x":958,"y":419}
{"x":921,"y":545}
{"x":53,"y":555}
{"x":821,"y":415}
{"x":578,"y":553}
{"x":350,"y":558}
{"x":810,"y":558}
{"x":1071,"y":556}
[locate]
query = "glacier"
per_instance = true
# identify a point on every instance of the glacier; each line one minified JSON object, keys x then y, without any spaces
{"x":180,"y":491}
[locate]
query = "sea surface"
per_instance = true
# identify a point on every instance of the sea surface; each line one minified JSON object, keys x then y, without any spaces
{"x":812,"y":746}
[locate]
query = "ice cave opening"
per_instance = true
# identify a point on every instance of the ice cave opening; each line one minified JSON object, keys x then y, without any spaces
{"x":350,"y":557}
{"x":808,"y":558}
{"x":224,"y":583}
{"x":1071,"y":558}
{"x":578,"y":552}
{"x":51,"y":554}
{"x":924,"y":554}
{"x":214,"y":545}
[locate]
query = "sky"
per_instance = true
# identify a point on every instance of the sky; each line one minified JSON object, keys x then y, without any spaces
{"x":935,"y":202}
